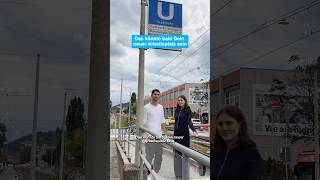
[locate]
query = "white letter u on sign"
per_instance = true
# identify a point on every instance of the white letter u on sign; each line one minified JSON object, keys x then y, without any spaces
{"x":171,"y":11}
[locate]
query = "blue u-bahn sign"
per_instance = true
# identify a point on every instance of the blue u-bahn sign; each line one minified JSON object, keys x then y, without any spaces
{"x":164,"y":17}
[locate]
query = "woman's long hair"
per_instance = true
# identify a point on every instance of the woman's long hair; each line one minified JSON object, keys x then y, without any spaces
{"x":218,"y":143}
{"x":186,"y":105}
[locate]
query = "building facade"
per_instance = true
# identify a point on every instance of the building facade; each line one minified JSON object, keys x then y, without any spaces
{"x":196,"y":94}
{"x":248,"y":88}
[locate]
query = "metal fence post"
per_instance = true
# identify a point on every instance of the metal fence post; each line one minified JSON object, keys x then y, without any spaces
{"x":141,"y":161}
{"x":121,"y":138}
{"x":129,"y":130}
{"x":185,"y":167}
{"x":124,"y":140}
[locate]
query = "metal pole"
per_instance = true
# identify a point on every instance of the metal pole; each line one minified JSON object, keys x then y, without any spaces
{"x":221,"y":92}
{"x":316,"y":127}
{"x":62,"y":137}
{"x":129,"y":116}
{"x":185,"y":167}
{"x":35,"y":122}
{"x":139,"y":143}
{"x":140,"y":102}
{"x":51,"y":160}
{"x":120,"y":119}
{"x":98,"y":127}
{"x":129,"y":130}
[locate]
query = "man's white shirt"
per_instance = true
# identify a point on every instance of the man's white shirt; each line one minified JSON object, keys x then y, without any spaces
{"x":153,"y":118}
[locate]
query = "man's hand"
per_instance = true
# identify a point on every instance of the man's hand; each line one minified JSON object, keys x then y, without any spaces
{"x":164,"y":129}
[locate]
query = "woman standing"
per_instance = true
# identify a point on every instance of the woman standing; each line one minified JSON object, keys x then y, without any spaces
{"x":183,"y":121}
{"x":235,"y":155}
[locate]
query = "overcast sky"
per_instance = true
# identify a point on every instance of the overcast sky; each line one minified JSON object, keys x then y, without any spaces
{"x":60,"y":32}
{"x":159,"y":72}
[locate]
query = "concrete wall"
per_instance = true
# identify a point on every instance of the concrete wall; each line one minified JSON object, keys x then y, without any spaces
{"x":127,"y":170}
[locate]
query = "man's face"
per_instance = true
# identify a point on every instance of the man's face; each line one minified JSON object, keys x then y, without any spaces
{"x":155,"y":96}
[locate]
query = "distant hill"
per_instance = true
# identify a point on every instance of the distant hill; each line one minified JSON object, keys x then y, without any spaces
{"x":124,"y":106}
{"x":50,"y":138}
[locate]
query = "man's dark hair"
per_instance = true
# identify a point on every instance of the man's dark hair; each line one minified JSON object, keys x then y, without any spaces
{"x":155,"y":90}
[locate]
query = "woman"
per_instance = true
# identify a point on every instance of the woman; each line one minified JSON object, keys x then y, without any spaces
{"x":183,"y":121}
{"x":235,"y":155}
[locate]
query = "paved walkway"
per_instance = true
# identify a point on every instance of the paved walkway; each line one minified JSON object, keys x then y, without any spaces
{"x":167,"y":170}
{"x":114,"y":166}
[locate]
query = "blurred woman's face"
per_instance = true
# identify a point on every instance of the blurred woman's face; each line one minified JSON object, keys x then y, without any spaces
{"x":228,"y":128}
{"x":181,"y":102}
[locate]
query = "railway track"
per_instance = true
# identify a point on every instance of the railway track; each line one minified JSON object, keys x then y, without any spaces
{"x":200,"y":144}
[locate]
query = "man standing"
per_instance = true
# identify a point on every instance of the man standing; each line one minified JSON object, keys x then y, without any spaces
{"x":154,"y":121}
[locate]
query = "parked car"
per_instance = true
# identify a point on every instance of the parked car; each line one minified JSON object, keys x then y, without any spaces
{"x":170,"y":121}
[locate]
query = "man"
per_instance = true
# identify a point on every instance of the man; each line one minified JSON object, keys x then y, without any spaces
{"x":154,"y":121}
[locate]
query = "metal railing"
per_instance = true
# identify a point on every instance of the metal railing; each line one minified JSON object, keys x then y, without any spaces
{"x":124,"y":137}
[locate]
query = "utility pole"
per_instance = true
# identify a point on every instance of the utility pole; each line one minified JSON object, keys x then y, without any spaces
{"x":140,"y":102}
{"x":316,"y":127}
{"x":221,"y":92}
{"x":34,"y":123}
{"x":98,"y":131}
{"x":129,"y":116}
{"x":62,"y":137}
{"x":120,"y":112}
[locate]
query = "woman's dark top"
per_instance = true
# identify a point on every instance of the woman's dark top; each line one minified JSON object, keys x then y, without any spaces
{"x":182,"y":124}
{"x":241,"y":163}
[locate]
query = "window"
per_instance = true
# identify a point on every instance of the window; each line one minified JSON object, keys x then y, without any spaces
{"x":232,"y":96}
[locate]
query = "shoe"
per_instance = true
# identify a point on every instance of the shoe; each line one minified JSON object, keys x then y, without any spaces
{"x":150,"y":177}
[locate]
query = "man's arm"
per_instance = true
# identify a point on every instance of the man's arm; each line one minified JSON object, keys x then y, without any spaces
{"x":164,"y":128}
{"x":163,"y":123}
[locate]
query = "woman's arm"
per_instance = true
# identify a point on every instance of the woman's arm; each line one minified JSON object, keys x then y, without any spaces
{"x":189,"y":116}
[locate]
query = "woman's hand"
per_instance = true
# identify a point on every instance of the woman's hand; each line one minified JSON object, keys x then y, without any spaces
{"x":195,"y":133}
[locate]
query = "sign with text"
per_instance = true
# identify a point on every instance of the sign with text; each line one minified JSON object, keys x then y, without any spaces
{"x":159,"y":41}
{"x":164,"y":17}
{"x":198,"y":96}
{"x":272,"y":117}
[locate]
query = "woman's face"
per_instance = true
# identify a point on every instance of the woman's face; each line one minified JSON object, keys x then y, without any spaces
{"x":181,"y":102}
{"x":228,"y":128}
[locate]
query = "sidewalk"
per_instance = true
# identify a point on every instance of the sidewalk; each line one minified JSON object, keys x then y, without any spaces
{"x":114,"y":166}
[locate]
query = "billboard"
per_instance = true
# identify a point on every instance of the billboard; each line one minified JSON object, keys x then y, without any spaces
{"x":272,"y":117}
{"x":198,"y":96}
{"x":164,"y":18}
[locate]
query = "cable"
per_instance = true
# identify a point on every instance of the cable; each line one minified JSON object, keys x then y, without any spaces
{"x":182,"y":51}
{"x":233,"y":42}
{"x":265,"y":24}
{"x":270,"y":52}
{"x":186,"y":73}
{"x":222,"y":7}
{"x":190,"y":55}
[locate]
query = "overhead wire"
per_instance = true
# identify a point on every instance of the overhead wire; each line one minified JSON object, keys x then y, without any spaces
{"x":270,"y":22}
{"x":270,"y":52}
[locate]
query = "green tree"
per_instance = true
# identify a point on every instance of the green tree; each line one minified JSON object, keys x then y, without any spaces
{"x":2,"y":134}
{"x":75,"y":113}
{"x":133,"y":101}
{"x":2,"y":138}
{"x":297,"y":92}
